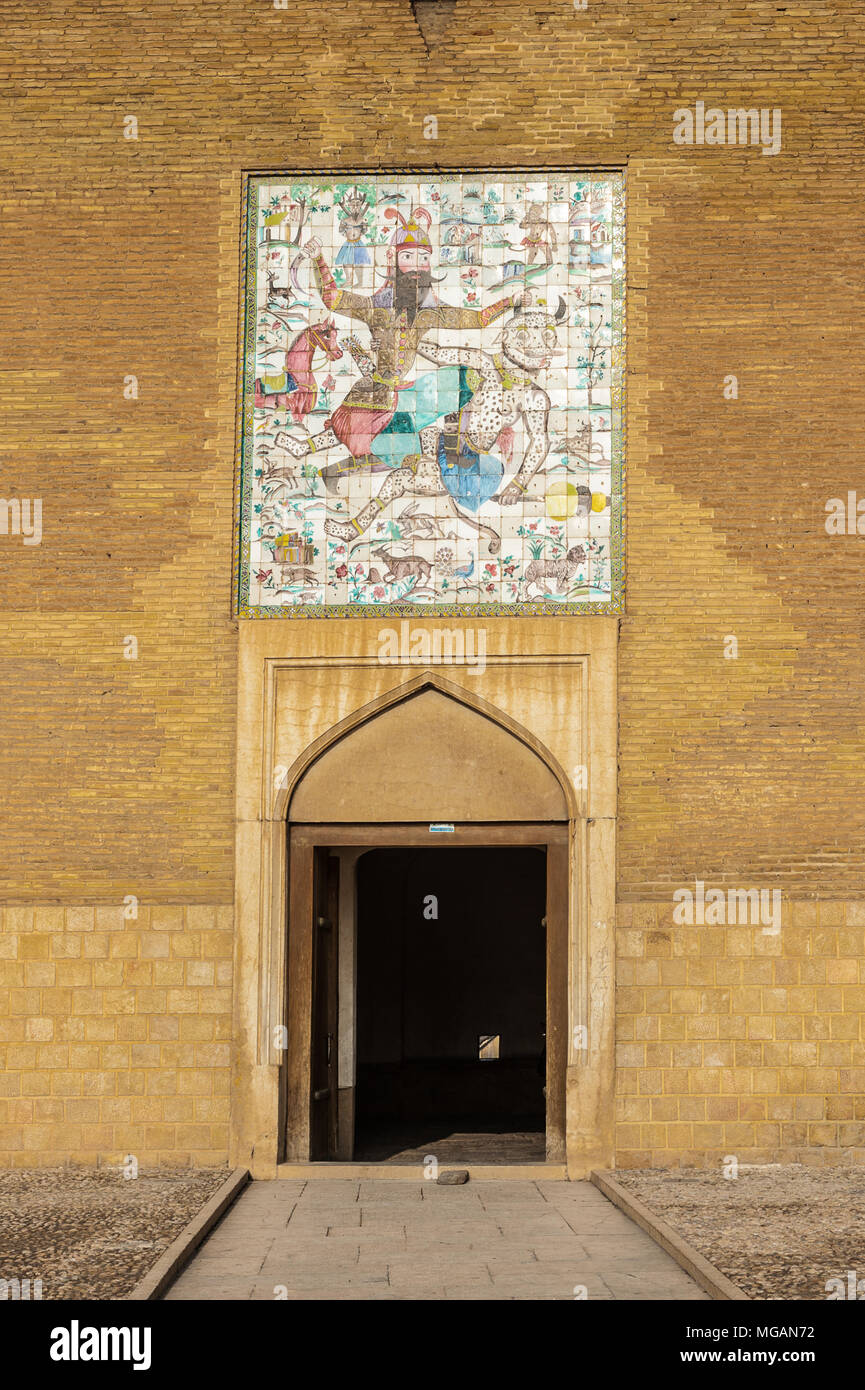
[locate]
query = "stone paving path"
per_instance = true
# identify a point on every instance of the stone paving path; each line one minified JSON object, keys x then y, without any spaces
{"x":350,"y":1239}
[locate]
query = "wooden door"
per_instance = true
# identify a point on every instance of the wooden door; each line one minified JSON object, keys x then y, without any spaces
{"x":557,"y":996}
{"x":323,"y":1043}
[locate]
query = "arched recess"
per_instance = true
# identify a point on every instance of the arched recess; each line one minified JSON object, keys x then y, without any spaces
{"x":428,"y":751}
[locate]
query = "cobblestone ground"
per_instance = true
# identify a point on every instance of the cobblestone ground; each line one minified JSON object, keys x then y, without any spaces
{"x":778,"y":1231}
{"x":350,"y":1239}
{"x":91,"y":1233}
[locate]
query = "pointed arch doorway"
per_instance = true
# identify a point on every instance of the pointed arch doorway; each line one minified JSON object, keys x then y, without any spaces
{"x":427,"y":952}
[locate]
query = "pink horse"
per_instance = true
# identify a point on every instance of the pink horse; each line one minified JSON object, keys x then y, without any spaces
{"x":300,"y":390}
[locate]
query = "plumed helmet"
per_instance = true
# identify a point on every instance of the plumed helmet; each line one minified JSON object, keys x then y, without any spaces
{"x":410,"y":232}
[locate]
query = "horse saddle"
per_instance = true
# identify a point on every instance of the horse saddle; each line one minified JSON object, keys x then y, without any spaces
{"x":278,"y":382}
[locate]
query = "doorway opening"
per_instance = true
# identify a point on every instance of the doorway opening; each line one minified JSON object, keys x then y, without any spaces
{"x":451,"y":1007}
{"x":426,"y":985}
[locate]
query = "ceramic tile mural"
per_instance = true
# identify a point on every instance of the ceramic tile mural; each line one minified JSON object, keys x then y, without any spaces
{"x":431,"y":403}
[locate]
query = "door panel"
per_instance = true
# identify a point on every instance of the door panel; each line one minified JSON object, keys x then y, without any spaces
{"x":324,"y":1050}
{"x":557,"y":998}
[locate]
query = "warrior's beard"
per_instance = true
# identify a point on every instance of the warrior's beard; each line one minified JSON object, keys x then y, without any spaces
{"x":409,"y":288}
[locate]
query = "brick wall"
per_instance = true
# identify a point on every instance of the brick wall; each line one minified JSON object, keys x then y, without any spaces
{"x":120,"y":258}
{"x":115,"y":1034}
{"x":735,"y":1041}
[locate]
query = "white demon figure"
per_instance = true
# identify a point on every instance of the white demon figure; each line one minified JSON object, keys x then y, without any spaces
{"x":505,"y":393}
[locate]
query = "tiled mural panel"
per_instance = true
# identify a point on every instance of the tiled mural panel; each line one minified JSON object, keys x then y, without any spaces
{"x":431,"y":404}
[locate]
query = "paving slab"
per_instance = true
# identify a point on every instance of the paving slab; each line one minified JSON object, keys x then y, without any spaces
{"x":373,"y":1239}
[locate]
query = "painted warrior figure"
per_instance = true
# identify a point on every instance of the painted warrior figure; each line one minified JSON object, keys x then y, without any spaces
{"x":398,"y":316}
{"x":540,"y":234}
{"x":505,"y":393}
{"x":353,"y":256}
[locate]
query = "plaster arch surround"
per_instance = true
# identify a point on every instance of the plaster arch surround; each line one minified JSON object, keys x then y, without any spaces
{"x":328,"y":734}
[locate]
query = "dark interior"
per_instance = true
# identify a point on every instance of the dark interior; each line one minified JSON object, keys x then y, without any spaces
{"x":429,"y":988}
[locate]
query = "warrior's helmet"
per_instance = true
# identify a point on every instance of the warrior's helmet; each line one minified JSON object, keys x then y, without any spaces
{"x":413,"y":232}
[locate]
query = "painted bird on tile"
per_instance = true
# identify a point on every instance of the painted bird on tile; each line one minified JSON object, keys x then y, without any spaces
{"x":465,"y":572}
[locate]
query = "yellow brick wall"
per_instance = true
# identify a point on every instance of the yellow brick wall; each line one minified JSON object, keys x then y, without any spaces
{"x":736,"y":1042}
{"x":121,"y":257}
{"x":115,"y":1034}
